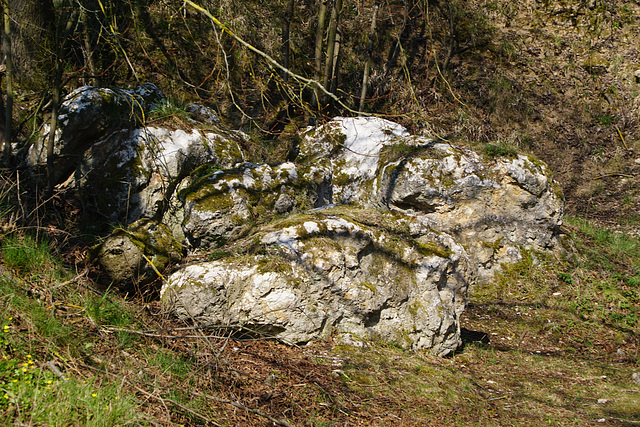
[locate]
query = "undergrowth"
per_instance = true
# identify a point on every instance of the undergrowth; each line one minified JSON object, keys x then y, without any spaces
{"x":544,"y":342}
{"x":552,"y":339}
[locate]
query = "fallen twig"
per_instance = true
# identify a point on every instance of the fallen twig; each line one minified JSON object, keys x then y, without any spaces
{"x":244,"y":408}
{"x":608,"y":175}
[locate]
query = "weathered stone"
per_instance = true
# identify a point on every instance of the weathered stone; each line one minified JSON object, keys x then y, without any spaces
{"x":222,"y":205}
{"x":497,"y":207}
{"x":326,"y":273}
{"x":385,"y":231}
{"x":132,"y":174}
{"x":88,"y":115}
{"x":402,"y":226}
{"x":138,"y":255}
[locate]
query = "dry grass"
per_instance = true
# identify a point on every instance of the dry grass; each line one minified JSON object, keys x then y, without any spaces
{"x":550,"y":341}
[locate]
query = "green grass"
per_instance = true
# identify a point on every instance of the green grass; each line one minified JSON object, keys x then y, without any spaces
{"x":563,"y":330}
{"x":26,"y":255}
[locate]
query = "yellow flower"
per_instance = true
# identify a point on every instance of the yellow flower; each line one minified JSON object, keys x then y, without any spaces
{"x":94,"y":395}
{"x":28,"y":356}
{"x":49,"y":382}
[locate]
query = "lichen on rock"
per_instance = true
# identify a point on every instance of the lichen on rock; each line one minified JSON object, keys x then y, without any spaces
{"x":370,"y":233}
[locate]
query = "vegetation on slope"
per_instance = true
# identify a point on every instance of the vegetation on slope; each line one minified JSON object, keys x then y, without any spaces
{"x":553,"y":340}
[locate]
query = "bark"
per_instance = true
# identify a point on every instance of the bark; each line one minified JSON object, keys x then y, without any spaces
{"x":6,"y":47}
{"x":453,"y":40}
{"x":62,"y":38}
{"x":322,"y":13}
{"x":88,"y":49}
{"x":288,"y":16}
{"x":331,"y":45}
{"x":397,"y":44}
{"x":32,"y":27}
{"x":367,"y":65}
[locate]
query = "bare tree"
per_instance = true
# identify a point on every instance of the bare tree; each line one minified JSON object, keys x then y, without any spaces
{"x":369,"y":60}
{"x":286,"y":31}
{"x":319,"y":48}
{"x":6,"y":48}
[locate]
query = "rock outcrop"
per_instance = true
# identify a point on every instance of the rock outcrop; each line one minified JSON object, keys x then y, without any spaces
{"x":359,"y":274}
{"x":370,"y":233}
{"x":386,"y":233}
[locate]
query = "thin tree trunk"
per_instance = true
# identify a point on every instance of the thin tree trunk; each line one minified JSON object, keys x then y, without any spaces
{"x":9,"y":79}
{"x":393,"y":52}
{"x":367,"y":64}
{"x":288,"y":16}
{"x":452,"y":37}
{"x":88,"y":53}
{"x":333,"y":83}
{"x":55,"y":101}
{"x":322,"y":13}
{"x":331,"y":45}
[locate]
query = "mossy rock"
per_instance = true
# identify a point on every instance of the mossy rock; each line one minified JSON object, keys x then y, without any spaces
{"x":138,"y":255}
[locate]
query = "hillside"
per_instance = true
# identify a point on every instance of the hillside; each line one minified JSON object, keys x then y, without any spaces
{"x":552,"y":339}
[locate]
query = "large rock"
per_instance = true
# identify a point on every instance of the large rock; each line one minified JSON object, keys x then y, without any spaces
{"x":88,"y":115}
{"x":496,"y":206}
{"x":402,"y":226}
{"x":360,"y":273}
{"x":132,"y":174}
{"x":370,"y":233}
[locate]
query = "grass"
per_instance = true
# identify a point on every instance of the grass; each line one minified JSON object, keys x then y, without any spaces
{"x":552,"y":340}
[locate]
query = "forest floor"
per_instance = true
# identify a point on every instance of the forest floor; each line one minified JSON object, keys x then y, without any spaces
{"x":549,"y":342}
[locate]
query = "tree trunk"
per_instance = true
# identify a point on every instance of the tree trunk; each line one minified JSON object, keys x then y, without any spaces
{"x":331,"y":44}
{"x":322,"y":13}
{"x":397,"y":44}
{"x":367,"y":64}
{"x":6,"y":47}
{"x":88,"y":49}
{"x":453,"y":40}
{"x":32,"y":27}
{"x":61,"y":41}
{"x":288,"y":16}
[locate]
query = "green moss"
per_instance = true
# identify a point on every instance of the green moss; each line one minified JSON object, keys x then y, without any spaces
{"x":415,"y":307}
{"x":368,"y":285}
{"x":494,"y":151}
{"x":341,"y":179}
{"x":432,"y":248}
{"x":495,"y":245}
{"x":273,"y":264}
{"x":394,"y":152}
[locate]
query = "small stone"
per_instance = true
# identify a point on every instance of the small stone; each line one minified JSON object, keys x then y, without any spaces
{"x":602,"y":401}
{"x":270,"y":380}
{"x":337,"y":373}
{"x":602,"y":420}
{"x":636,"y":377}
{"x":283,"y":204}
